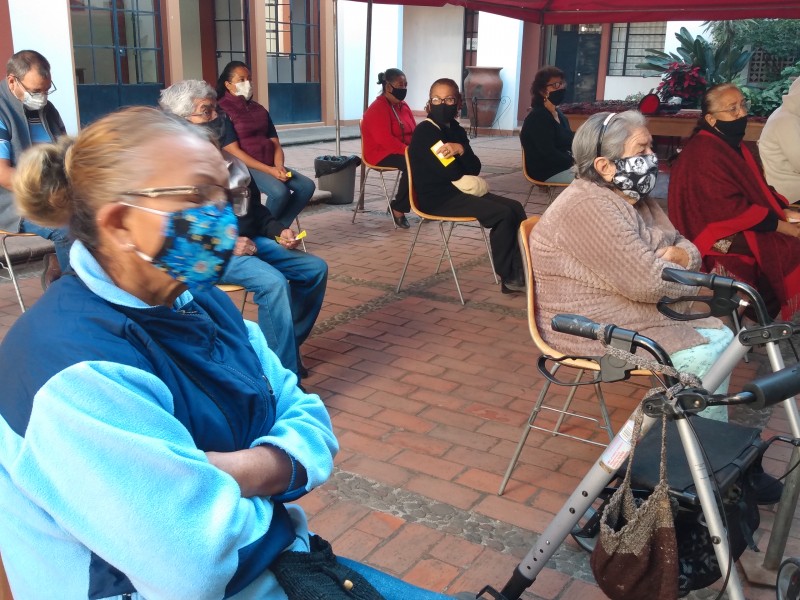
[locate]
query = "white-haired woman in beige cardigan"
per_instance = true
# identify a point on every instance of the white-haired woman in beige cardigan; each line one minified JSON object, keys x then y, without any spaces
{"x":599,"y":250}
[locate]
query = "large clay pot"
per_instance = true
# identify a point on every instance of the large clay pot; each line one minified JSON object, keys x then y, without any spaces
{"x":483,"y":83}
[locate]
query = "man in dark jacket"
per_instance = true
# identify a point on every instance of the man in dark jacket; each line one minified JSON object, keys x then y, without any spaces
{"x":27,"y":118}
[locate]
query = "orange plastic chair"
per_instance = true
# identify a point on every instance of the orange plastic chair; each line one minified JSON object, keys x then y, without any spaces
{"x":381,"y":171}
{"x":453,"y":221}
{"x":581,"y":365}
{"x":550,"y":188}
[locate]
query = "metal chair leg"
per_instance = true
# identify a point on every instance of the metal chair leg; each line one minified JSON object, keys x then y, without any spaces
{"x":388,"y":200}
{"x":408,"y":258}
{"x":445,"y":239}
{"x":526,"y":429}
{"x":8,"y":266}
{"x":360,"y":203}
{"x":530,"y":193}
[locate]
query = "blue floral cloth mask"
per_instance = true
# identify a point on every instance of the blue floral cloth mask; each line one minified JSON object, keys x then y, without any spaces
{"x":636,"y":175}
{"x":198,"y":244}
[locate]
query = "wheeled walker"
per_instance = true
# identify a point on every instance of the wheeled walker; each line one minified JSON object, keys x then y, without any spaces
{"x":765,"y":391}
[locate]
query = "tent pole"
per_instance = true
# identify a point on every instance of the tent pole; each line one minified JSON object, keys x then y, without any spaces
{"x":368,"y":55}
{"x":336,"y":78}
{"x":366,"y":91}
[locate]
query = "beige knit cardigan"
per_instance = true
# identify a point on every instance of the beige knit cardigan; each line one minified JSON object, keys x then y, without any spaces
{"x":594,"y":255}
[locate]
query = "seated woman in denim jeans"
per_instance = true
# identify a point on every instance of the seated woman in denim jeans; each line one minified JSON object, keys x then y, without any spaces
{"x":152,"y":445}
{"x":287,"y":190}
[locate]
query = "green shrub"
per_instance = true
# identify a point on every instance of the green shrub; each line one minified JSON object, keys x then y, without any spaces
{"x":765,"y":101}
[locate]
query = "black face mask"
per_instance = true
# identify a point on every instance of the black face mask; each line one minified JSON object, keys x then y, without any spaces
{"x":557,"y":97}
{"x":399,"y":93}
{"x":442,"y":114}
{"x":216,"y":127}
{"x":733,"y":130}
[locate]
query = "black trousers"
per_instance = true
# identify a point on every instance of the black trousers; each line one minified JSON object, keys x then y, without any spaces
{"x":400,"y":202}
{"x":499,"y":214}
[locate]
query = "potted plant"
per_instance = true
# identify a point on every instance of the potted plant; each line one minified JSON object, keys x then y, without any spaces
{"x":684,"y":81}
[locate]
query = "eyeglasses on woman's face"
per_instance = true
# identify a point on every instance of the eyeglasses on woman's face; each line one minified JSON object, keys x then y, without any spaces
{"x":735,"y":110}
{"x":205,"y":111}
{"x":449,"y":100}
{"x":556,"y":85}
{"x":211,"y":196}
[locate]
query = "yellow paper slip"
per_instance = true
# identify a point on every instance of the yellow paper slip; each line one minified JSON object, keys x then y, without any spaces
{"x":444,"y":160}
{"x":299,"y":236}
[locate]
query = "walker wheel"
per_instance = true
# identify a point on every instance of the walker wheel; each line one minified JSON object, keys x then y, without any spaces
{"x":788,"y":584}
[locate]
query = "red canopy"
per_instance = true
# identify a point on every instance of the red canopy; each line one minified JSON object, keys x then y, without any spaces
{"x":551,"y":12}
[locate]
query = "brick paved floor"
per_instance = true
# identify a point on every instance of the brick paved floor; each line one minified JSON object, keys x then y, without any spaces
{"x":428,"y":397}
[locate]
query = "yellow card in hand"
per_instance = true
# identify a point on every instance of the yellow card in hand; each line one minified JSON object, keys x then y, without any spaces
{"x":444,"y":160}
{"x":299,"y":236}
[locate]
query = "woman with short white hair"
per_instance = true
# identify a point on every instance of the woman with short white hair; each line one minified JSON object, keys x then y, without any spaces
{"x":600,"y":248}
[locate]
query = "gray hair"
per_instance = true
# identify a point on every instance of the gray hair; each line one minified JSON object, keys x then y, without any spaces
{"x":23,"y":61}
{"x":179,"y":98}
{"x":617,"y":131}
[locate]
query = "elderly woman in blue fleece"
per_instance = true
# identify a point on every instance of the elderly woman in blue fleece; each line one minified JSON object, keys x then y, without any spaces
{"x":149,"y":439}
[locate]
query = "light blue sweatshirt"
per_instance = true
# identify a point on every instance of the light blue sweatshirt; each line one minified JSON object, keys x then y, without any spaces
{"x":104,"y":469}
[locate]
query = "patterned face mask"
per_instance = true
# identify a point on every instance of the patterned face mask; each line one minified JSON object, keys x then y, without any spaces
{"x":636,"y":175}
{"x":198,"y":243}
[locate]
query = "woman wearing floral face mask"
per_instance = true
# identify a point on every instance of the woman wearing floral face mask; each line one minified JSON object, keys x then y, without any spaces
{"x":600,"y":248}
{"x":719,"y":199}
{"x":148,"y":414}
{"x":546,"y":136}
{"x":386,"y":129}
{"x":287,"y":190}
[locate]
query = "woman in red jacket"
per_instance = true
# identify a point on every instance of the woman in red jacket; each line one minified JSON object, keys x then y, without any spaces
{"x":386,"y":129}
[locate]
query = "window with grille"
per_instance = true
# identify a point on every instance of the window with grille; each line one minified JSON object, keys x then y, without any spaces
{"x":629,"y":43}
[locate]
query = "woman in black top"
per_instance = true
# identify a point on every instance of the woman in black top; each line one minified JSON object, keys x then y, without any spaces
{"x":440,"y":154}
{"x":546,"y":137}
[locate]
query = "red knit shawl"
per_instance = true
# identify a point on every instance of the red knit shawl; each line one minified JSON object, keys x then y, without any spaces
{"x":714,"y":193}
{"x":253,"y":126}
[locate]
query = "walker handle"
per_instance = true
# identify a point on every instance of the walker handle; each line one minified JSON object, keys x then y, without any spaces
{"x":775,"y":387}
{"x":579,"y":326}
{"x":693,"y":278}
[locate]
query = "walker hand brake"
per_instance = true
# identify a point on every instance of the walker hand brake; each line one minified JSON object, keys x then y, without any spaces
{"x":721,"y":304}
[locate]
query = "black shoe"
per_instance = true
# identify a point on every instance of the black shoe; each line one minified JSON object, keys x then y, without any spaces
{"x":401,"y":222}
{"x":512,"y":286}
{"x":302,"y":370}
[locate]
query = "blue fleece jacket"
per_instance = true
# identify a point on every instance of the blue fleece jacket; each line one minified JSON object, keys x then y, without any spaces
{"x":102,"y":463}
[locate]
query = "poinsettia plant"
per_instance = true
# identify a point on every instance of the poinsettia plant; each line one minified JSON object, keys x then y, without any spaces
{"x":681,"y":80}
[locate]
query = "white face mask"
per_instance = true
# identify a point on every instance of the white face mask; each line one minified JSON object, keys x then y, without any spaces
{"x":34,"y":101}
{"x":245,"y":89}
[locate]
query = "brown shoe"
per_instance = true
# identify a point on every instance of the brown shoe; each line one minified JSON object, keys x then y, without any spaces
{"x":50,"y":270}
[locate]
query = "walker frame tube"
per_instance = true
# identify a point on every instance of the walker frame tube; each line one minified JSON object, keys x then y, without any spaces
{"x":601,"y":474}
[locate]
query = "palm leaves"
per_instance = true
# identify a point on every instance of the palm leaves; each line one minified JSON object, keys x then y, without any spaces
{"x":717,"y":65}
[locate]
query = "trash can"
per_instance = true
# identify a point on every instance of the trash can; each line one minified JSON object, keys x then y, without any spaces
{"x":337,"y":175}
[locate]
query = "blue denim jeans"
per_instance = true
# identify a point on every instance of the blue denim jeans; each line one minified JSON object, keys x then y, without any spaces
{"x":59,"y":237}
{"x":285,"y":200}
{"x":391,"y":587}
{"x":288,"y":286}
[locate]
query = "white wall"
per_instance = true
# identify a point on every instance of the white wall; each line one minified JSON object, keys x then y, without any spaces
{"x":51,"y":37}
{"x":618,"y":88}
{"x":695,"y":28}
{"x":190,"y":40}
{"x":500,"y":45}
{"x":432,"y":39}
{"x":386,"y":52}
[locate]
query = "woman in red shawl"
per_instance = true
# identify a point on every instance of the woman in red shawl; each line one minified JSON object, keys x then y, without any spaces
{"x":719,"y":199}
